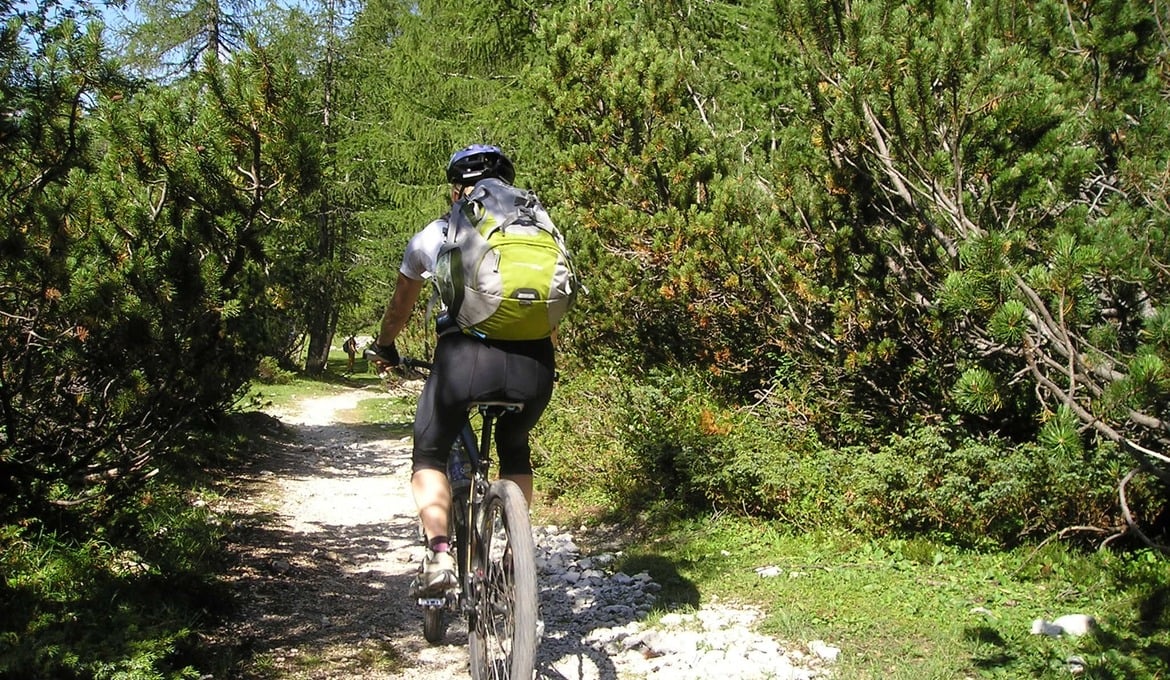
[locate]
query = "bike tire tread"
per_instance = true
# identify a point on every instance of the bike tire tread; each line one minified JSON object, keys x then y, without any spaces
{"x":508,"y":496}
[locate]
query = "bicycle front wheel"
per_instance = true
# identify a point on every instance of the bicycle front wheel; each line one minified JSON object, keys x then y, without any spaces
{"x":502,"y":640}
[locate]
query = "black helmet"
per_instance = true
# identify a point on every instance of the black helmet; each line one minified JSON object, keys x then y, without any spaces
{"x":478,"y":161}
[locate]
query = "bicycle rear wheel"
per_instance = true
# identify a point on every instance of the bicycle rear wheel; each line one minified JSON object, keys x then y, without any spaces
{"x":435,"y":616}
{"x":434,"y":625}
{"x":502,"y":640}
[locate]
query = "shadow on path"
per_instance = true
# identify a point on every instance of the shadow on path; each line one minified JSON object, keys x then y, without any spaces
{"x":322,"y":555}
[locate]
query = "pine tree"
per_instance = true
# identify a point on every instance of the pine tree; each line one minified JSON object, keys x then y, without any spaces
{"x":418,"y":81}
{"x":174,"y":37}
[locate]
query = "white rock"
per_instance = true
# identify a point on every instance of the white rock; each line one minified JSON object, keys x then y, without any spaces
{"x":1069,"y":624}
{"x":824,"y":651}
{"x":1076,"y":624}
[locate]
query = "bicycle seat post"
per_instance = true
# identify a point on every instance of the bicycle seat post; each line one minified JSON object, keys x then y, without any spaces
{"x":485,"y":437}
{"x":490,"y":411}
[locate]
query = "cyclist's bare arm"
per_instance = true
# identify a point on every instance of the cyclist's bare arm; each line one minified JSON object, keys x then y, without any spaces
{"x":398,"y":310}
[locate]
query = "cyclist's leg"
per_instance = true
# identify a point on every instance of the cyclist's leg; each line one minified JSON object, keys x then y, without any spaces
{"x":441,"y":414}
{"x":529,"y":379}
{"x":466,"y":370}
{"x":428,"y":481}
{"x":432,"y":496}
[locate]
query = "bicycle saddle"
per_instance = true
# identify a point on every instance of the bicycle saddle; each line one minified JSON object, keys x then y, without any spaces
{"x":497,"y":408}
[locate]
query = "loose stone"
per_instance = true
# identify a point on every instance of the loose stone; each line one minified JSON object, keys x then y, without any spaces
{"x":596,"y":626}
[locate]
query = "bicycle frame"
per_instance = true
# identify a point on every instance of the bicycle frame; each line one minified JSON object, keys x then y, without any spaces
{"x":466,"y":506}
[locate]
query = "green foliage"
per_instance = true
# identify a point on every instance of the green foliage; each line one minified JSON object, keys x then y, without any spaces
{"x":973,"y":492}
{"x":270,"y":372}
{"x":139,"y":295}
{"x":122,"y":604}
{"x":179,"y":37}
{"x":1059,"y":433}
{"x":1009,"y":323}
{"x":638,"y":184}
{"x":976,"y":391}
{"x":581,"y":452}
{"x":408,"y":96}
{"x":662,"y":443}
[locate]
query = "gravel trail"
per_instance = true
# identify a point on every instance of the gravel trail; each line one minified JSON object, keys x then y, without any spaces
{"x":328,"y":543}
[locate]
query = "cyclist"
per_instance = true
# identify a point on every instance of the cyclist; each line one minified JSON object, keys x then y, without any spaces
{"x":466,"y":368}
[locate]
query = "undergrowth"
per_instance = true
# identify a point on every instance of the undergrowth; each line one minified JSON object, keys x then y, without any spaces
{"x":124,"y":599}
{"x":131,"y":596}
{"x":926,"y":554}
{"x":663,"y":441}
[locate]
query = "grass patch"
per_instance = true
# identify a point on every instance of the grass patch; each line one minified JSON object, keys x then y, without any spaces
{"x":396,"y":413}
{"x":118,"y":604}
{"x":294,"y":386}
{"x":915,"y":609}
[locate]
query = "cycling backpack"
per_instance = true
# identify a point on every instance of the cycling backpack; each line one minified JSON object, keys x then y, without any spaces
{"x":503,"y":271}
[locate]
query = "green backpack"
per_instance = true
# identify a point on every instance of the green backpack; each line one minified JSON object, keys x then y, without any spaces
{"x":503,"y":271}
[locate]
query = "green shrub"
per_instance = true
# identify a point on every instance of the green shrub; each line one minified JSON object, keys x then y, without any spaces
{"x":270,"y":372}
{"x":975,"y":491}
{"x":580,"y":456}
{"x":628,"y":444}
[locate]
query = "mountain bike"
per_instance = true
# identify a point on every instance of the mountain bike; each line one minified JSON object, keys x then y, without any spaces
{"x":495,"y":553}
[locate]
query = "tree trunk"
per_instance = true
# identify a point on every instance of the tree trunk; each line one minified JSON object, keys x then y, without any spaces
{"x":320,"y":333}
{"x":323,"y":313}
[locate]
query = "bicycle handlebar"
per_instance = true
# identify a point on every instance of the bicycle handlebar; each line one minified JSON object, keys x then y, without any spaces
{"x":406,"y":362}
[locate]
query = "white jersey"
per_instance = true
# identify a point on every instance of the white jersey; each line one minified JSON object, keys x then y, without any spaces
{"x":418,"y":262}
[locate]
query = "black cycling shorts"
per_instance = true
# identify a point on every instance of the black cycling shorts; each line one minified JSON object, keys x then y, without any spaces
{"x":467,"y":369}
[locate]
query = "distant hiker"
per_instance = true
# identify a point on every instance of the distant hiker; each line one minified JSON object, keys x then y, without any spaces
{"x":494,"y":331}
{"x":350,"y":348}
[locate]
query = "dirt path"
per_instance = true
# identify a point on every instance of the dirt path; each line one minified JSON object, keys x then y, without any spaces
{"x":326,"y":545}
{"x":326,"y":548}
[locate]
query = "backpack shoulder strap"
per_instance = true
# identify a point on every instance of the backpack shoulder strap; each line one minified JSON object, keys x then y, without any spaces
{"x":505,"y":203}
